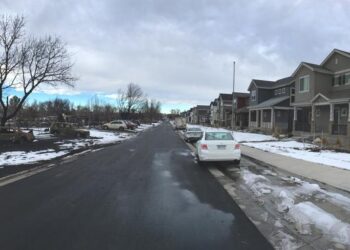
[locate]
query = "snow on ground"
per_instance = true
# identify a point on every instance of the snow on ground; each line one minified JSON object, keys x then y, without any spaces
{"x":309,"y":213}
{"x":252,"y":137}
{"x":65,"y":146}
{"x":22,"y":157}
{"x":294,"y":201}
{"x":104,"y":137}
{"x":301,"y":151}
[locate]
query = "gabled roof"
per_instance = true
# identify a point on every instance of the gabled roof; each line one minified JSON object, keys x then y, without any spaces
{"x":241,"y":94}
{"x":270,"y":102}
{"x":312,"y":67}
{"x":321,"y":96}
{"x":225,"y":97}
{"x":202,"y":107}
{"x":262,"y":84}
{"x":341,"y":52}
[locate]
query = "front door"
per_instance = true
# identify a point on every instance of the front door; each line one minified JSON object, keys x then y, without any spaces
{"x":336,"y":121}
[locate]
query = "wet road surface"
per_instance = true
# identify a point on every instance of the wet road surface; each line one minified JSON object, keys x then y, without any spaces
{"x":146,"y":193}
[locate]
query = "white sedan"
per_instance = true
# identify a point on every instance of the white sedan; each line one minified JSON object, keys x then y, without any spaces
{"x":218,"y":146}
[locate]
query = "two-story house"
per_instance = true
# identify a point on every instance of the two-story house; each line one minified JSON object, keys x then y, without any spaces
{"x":225,"y":109}
{"x":322,"y":98}
{"x":269,"y":107}
{"x":240,"y":110}
{"x":200,"y":114}
{"x":214,"y":117}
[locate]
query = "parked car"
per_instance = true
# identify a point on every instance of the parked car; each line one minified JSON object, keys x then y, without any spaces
{"x":130,"y":125}
{"x":180,"y":123}
{"x":137,"y":122}
{"x":218,"y":146}
{"x":67,"y":129}
{"x":116,"y":125}
{"x":16,"y":135}
{"x":193,"y":134}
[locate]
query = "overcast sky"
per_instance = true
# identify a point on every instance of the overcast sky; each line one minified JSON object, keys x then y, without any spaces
{"x":181,"y":52}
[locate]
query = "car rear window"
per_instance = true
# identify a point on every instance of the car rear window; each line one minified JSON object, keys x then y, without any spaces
{"x":218,"y":136}
{"x":194,"y":129}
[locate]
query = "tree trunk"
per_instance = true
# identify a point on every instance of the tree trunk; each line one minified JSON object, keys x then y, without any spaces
{"x":3,"y":121}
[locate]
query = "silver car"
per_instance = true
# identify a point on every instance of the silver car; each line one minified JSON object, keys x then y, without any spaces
{"x":193,"y":134}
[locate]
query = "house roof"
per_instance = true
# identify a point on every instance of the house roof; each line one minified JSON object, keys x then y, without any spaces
{"x":241,"y":94}
{"x":312,"y":67}
{"x":202,"y":107}
{"x":225,"y":97}
{"x":342,"y":52}
{"x":270,"y":102}
{"x":242,"y":110}
{"x":263,"y":84}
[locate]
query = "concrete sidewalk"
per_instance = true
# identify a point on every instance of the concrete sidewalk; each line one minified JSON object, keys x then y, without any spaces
{"x":333,"y":176}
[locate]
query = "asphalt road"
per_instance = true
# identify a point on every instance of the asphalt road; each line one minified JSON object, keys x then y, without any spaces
{"x":146,"y":193}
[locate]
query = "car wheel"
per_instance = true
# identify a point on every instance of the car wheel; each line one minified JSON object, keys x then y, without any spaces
{"x":78,"y":135}
{"x":121,"y":128}
{"x":200,"y":163}
{"x":105,"y":127}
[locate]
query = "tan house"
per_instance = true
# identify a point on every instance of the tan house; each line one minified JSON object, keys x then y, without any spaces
{"x":322,"y":98}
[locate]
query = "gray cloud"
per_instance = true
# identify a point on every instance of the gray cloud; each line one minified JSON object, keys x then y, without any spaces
{"x":182,"y":51}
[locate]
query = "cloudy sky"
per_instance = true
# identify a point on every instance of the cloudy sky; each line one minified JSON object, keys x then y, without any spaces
{"x":181,"y":52}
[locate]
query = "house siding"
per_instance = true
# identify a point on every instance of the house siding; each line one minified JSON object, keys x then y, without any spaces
{"x":343,"y":63}
{"x":306,"y":96}
{"x":323,"y":83}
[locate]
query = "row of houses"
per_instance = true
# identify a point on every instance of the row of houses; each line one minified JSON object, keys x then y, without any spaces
{"x":313,"y":101}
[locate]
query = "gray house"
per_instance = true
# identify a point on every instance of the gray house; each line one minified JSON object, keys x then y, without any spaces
{"x":321,"y":98}
{"x":269,"y":108}
{"x":225,"y":109}
{"x":214,"y":117}
{"x":200,"y":114}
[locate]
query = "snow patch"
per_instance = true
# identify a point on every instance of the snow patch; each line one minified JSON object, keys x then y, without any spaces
{"x":308,"y":213}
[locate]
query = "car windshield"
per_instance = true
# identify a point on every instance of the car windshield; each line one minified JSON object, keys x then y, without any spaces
{"x":218,"y":136}
{"x":194,"y":130}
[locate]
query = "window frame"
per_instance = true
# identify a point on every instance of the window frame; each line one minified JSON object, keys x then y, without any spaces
{"x":253,"y":96}
{"x":304,"y":89}
{"x":344,"y":114}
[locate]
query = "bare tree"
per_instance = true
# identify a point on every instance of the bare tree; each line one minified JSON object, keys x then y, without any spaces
{"x":26,"y":63}
{"x":130,"y":100}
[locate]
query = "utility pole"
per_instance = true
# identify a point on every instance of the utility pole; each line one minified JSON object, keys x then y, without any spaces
{"x":233,"y":91}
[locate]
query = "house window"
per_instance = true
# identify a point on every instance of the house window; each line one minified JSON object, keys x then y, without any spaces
{"x":283,"y":90}
{"x":336,"y":60}
{"x":275,"y":91}
{"x":253,"y":95}
{"x":278,"y":113}
{"x":347,"y":78}
{"x":341,"y":80}
{"x":304,"y":84}
{"x":318,"y":112}
{"x":344,"y":112}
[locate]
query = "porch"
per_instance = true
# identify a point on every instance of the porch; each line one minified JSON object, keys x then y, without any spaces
{"x":271,"y":119}
{"x":323,"y":118}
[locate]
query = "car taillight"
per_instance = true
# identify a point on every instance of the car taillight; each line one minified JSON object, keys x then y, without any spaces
{"x":204,"y":146}
{"x":237,"y":146}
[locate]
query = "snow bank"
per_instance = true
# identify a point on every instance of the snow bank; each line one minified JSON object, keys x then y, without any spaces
{"x":308,"y":213}
{"x":22,"y":157}
{"x":104,"y":137}
{"x":299,"y":150}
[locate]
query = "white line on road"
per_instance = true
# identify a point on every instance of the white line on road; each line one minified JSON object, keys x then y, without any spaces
{"x":24,"y":174}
